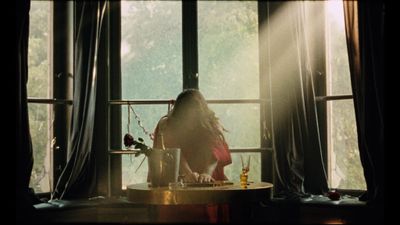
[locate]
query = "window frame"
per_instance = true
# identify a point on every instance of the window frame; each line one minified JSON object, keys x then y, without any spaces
{"x":322,"y":98}
{"x":63,"y":29}
{"x":190,"y":80}
{"x":60,"y":79}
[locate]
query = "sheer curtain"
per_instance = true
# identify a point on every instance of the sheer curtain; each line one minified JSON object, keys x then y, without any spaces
{"x":78,"y":178}
{"x":364,"y":21}
{"x":299,"y":168}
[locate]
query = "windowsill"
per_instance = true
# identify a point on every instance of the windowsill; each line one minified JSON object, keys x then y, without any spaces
{"x":319,"y":200}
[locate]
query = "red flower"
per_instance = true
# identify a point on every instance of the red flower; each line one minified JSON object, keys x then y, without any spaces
{"x":128,"y":140}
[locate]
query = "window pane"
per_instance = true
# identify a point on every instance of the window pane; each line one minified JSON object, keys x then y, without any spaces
{"x":39,"y":86}
{"x":242,"y":122}
{"x":39,"y":51}
{"x":130,"y":164}
{"x":338,"y":72}
{"x":228,"y":49}
{"x":151,"y":49}
{"x":39,"y":117}
{"x":149,"y":116}
{"x":233,"y":171}
{"x":345,"y":170}
{"x":240,"y":134}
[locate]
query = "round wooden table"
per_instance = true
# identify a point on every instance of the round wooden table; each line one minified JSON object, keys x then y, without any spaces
{"x":188,"y":204}
{"x":227,"y":193}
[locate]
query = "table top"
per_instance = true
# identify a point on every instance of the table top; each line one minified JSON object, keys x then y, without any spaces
{"x":191,"y":194}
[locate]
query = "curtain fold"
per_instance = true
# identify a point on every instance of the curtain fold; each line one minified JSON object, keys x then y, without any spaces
{"x":364,"y":22}
{"x":78,"y":177}
{"x":298,"y":164}
{"x":24,"y":156}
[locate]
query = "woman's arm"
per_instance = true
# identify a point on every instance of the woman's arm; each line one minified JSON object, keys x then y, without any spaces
{"x":184,"y":169}
{"x":220,"y":157}
{"x":159,"y":132}
{"x":210,"y":163}
{"x":206,"y":175}
{"x":210,"y":167}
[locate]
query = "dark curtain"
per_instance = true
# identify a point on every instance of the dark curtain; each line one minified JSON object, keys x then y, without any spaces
{"x":299,"y":167}
{"x":78,"y":179}
{"x":24,"y":156}
{"x":364,"y":22}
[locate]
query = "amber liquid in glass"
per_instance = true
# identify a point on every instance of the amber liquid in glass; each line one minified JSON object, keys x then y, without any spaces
{"x":245,"y":172}
{"x":243,"y":179}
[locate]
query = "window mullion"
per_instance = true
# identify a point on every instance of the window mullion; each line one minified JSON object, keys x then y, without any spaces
{"x":190,"y":45}
{"x":62,"y":79}
{"x":265,"y":108}
{"x":114,"y":92}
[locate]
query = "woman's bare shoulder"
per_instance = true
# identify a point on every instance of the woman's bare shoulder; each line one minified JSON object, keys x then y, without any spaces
{"x":163,"y":122}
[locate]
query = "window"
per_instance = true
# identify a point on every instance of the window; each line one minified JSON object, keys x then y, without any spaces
{"x":40,"y":87}
{"x":49,"y":96}
{"x":152,"y":62}
{"x":344,"y":165}
{"x":151,"y":67}
{"x":229,"y":75}
{"x":229,"y":69}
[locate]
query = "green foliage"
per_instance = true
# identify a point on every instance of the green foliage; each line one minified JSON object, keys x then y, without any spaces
{"x":152,"y":69}
{"x":228,"y":49}
{"x":343,"y":126}
{"x":228,"y":55}
{"x":38,"y":86}
{"x":38,"y":74}
{"x":152,"y":50}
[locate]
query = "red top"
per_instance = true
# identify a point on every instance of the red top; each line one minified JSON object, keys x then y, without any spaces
{"x":197,"y":148}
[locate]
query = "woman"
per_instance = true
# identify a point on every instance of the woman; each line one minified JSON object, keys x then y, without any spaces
{"x":193,"y":127}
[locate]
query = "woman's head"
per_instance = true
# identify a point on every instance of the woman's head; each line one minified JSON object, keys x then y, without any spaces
{"x":191,"y":111}
{"x":190,"y":105}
